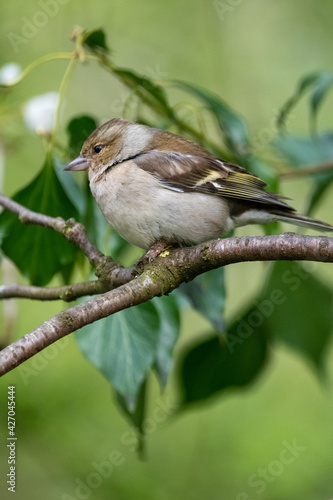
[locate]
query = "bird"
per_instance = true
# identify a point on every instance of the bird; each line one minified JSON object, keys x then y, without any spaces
{"x":152,"y":185}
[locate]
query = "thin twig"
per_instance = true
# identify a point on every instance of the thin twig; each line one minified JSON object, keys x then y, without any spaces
{"x":311,"y":169}
{"x":70,"y":292}
{"x":66,"y":292}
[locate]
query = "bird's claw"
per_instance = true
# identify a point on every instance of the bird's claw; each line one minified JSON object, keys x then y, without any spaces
{"x":159,"y":248}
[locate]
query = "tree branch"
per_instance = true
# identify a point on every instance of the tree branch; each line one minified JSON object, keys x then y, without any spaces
{"x":73,"y":231}
{"x":66,"y":292}
{"x":310,"y":169}
{"x":161,"y":276}
{"x":110,"y":274}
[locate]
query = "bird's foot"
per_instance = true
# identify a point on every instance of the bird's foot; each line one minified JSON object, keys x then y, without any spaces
{"x":160,"y":247}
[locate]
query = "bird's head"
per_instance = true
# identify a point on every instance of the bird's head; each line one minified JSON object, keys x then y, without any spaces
{"x":113,"y":142}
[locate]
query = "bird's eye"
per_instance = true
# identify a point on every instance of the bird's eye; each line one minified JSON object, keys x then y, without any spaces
{"x":98,"y":148}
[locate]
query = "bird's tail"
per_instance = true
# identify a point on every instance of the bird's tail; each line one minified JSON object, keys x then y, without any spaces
{"x":302,"y":220}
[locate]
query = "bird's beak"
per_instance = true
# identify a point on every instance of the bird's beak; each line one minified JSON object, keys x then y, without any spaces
{"x":78,"y":164}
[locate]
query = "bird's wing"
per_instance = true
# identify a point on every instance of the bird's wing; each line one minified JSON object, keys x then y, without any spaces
{"x":189,"y":173}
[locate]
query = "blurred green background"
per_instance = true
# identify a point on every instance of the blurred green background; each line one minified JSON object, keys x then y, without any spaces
{"x":252,"y":54}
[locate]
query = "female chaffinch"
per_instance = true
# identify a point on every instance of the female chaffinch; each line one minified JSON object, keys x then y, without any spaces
{"x":153,"y":185}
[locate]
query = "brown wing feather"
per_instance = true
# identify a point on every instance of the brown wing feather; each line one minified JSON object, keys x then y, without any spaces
{"x":187,"y":173}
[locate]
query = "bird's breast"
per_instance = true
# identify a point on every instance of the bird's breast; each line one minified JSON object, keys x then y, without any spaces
{"x":142,"y":210}
{"x":123,"y":197}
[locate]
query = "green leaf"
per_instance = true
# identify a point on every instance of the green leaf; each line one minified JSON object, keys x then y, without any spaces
{"x":70,"y":185}
{"x":123,"y":347}
{"x":323,"y":85}
{"x":304,"y":84}
{"x":149,"y":92}
{"x":116,"y":245}
{"x":294,"y":307}
{"x":168,"y":311}
{"x":322,"y":182}
{"x":39,"y":252}
{"x":297,"y":308}
{"x":321,"y":82}
{"x":217,"y":364}
{"x":207,"y":295}
{"x":230,"y":123}
{"x":302,"y":151}
{"x":95,"y":40}
{"x":78,"y":129}
{"x":89,"y":213}
{"x":137,"y":416}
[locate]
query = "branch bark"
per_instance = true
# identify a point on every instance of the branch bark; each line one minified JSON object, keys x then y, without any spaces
{"x":161,"y":276}
{"x":110,"y":274}
{"x":66,"y":292}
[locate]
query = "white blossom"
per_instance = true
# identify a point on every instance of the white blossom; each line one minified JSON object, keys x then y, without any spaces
{"x":9,"y":73}
{"x":39,"y":112}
